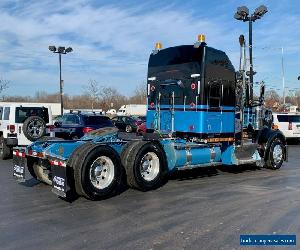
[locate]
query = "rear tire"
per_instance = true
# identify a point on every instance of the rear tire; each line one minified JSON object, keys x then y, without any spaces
{"x":5,"y":151}
{"x":98,"y":174}
{"x":145,"y":166}
{"x":276,"y":155}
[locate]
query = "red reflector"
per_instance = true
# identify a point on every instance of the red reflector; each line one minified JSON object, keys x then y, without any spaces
{"x":191,"y":127}
{"x":57,"y":163}
{"x":20,"y":154}
{"x":193,"y":86}
{"x":87,"y":129}
{"x":290,"y":126}
{"x":152,"y":104}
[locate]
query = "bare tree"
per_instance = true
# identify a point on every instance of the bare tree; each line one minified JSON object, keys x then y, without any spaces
{"x":92,"y":90}
{"x":139,"y":95}
{"x":4,"y":84}
{"x":110,"y":95}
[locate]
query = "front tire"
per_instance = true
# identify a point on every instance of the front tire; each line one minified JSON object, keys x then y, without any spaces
{"x":98,"y":174}
{"x":275,"y":155}
{"x":145,"y":166}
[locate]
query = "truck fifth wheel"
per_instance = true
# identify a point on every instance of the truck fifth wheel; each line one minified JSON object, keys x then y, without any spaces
{"x":198,"y":115}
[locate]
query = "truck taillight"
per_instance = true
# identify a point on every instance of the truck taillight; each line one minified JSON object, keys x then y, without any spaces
{"x":87,"y":129}
{"x":290,"y":126}
{"x":11,"y":128}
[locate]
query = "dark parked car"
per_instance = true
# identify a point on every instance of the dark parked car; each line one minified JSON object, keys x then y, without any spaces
{"x":127,"y":123}
{"x":75,"y":125}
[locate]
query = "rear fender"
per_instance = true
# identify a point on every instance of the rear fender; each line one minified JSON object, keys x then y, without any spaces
{"x":62,"y":150}
{"x":265,"y":138}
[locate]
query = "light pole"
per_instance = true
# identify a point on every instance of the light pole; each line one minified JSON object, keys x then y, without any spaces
{"x":60,"y":51}
{"x":242,"y":14}
{"x":283,"y":80}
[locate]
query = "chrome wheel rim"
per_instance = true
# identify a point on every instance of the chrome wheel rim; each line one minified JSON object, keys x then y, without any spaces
{"x":277,"y":154}
{"x":35,"y":128}
{"x":149,"y":166}
{"x":102,"y":172}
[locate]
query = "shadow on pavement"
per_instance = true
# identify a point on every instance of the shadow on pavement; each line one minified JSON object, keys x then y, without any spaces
{"x":210,"y":171}
{"x":30,"y":183}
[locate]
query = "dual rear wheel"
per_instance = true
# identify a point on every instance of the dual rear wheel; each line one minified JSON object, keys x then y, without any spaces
{"x":99,"y":171}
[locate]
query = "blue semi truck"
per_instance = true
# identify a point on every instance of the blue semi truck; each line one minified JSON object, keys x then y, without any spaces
{"x":198,"y":115}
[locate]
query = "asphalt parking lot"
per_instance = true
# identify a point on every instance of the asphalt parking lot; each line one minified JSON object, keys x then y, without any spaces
{"x":203,"y":209}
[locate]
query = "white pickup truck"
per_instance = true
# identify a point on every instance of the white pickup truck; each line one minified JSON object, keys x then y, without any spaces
{"x":21,"y":124}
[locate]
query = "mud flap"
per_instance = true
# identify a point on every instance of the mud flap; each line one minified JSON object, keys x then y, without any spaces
{"x":19,"y":165}
{"x":61,"y":181}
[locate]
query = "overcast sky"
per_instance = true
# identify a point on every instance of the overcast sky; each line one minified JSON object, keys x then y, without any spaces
{"x":112,"y":40}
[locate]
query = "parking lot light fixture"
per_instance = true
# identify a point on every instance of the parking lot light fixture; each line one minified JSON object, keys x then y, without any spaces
{"x":60,"y":50}
{"x":242,"y":14}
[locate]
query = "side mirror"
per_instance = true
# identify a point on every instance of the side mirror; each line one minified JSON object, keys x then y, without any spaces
{"x":57,"y":124}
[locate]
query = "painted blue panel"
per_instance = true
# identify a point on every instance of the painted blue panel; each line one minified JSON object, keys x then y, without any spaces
{"x":200,"y":156}
{"x":177,"y":154}
{"x":193,"y":121}
{"x":228,"y":157}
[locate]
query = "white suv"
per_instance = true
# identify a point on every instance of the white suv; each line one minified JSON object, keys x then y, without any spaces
{"x":288,"y":123}
{"x":21,"y":124}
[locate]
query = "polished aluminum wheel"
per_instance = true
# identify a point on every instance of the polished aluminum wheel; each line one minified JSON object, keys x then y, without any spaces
{"x":277,"y":154}
{"x":35,"y":129}
{"x":150,"y":166}
{"x":102,"y":172}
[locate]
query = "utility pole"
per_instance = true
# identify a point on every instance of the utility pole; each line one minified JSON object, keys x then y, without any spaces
{"x":283,"y":80}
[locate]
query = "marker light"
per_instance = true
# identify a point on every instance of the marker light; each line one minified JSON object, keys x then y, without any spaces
{"x":193,"y":86}
{"x":201,"y":38}
{"x":158,"y":46}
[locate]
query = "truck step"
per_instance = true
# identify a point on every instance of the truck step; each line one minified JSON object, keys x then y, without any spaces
{"x":245,"y":152}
